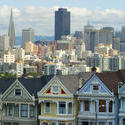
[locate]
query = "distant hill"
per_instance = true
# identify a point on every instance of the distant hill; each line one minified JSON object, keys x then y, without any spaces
{"x":19,"y":39}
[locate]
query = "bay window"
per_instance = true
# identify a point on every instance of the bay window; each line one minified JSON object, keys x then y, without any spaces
{"x":62,"y":108}
{"x":86,"y":105}
{"x":24,"y":110}
{"x":32,"y":113}
{"x":102,"y":105}
{"x":70,"y":108}
{"x":47,"y":107}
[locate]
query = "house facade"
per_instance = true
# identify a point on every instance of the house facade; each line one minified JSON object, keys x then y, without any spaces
{"x":96,"y":103}
{"x":57,"y":101}
{"x":18,"y":106}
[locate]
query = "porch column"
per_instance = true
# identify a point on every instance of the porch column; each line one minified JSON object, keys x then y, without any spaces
{"x":107,"y":106}
{"x":57,"y":110}
{"x":41,"y":107}
{"x":67,"y":107}
{"x":81,"y":106}
{"x":28,"y":110}
{"x":19,"y":110}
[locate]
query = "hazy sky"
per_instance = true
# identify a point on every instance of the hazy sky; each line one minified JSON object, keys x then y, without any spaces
{"x":39,"y":14}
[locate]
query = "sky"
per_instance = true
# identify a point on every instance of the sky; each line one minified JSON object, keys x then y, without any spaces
{"x":39,"y":14}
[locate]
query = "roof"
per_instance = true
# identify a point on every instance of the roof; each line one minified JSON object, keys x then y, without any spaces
{"x":32,"y":85}
{"x":111,"y":79}
{"x":71,"y":82}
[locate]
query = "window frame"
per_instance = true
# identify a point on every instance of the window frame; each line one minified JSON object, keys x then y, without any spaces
{"x":46,"y":107}
{"x":24,"y":110}
{"x":32,"y":111}
{"x":86,"y":110}
{"x":17,"y":94}
{"x":61,"y":109}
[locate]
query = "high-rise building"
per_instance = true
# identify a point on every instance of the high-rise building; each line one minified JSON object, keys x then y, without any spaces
{"x":27,"y":35}
{"x":4,"y":42}
{"x":123,"y":34}
{"x":62,"y":23}
{"x":106,"y":35}
{"x":11,"y":32}
{"x":91,"y":37}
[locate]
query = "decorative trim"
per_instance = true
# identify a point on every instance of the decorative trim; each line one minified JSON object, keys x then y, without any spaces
{"x":56,"y":118}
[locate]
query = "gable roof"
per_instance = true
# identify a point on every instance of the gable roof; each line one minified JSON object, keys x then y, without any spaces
{"x":31,"y":85}
{"x":111,"y":79}
{"x":71,"y":82}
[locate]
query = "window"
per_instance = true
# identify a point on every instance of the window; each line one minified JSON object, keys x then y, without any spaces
{"x":95,"y":87}
{"x":62,"y":108}
{"x":32,"y":111}
{"x":70,"y":108}
{"x":102,"y":105}
{"x":86,"y":105}
{"x":55,"y":89}
{"x":10,"y":110}
{"x":18,"y":92}
{"x":110,"y":123}
{"x":24,"y":110}
{"x":110,"y":106}
{"x":16,"y":110}
{"x":47,"y":107}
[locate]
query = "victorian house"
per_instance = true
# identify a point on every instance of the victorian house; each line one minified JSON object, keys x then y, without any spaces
{"x":97,"y":103}
{"x":58,"y":101}
{"x":18,"y":105}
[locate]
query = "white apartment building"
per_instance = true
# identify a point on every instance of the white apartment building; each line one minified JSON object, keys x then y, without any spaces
{"x":8,"y":58}
{"x":4,"y":42}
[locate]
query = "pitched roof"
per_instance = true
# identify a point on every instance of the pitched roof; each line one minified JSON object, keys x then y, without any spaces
{"x":111,"y":79}
{"x":31,"y":85}
{"x":71,"y":82}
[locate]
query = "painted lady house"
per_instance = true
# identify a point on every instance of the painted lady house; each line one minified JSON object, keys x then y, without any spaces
{"x":18,"y":104}
{"x":96,"y":103}
{"x":58,"y":101}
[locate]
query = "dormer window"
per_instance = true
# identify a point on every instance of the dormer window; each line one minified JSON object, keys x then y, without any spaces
{"x":95,"y":87}
{"x":17,"y":92}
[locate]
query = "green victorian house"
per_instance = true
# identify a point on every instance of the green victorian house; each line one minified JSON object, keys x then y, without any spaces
{"x":18,"y":101}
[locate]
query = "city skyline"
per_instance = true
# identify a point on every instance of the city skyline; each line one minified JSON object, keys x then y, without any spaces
{"x":26,"y":15}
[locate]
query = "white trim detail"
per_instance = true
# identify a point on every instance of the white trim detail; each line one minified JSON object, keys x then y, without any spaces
{"x":56,"y":118}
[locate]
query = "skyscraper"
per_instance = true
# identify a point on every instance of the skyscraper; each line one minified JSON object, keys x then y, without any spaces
{"x":27,"y":35}
{"x":123,"y":34}
{"x":62,"y":23}
{"x":11,"y":32}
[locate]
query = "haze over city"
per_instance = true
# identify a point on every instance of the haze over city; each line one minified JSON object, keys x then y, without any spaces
{"x":40,"y":15}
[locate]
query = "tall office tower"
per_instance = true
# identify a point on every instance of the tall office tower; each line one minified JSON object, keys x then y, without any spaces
{"x":27,"y":35}
{"x":62,"y":23}
{"x":4,"y":43}
{"x":11,"y":32}
{"x":106,"y":35}
{"x":90,"y":37}
{"x":123,"y":34}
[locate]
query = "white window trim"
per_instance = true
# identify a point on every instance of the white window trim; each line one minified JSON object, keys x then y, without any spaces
{"x":65,"y":110}
{"x":15,"y":92}
{"x":45,"y":108}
